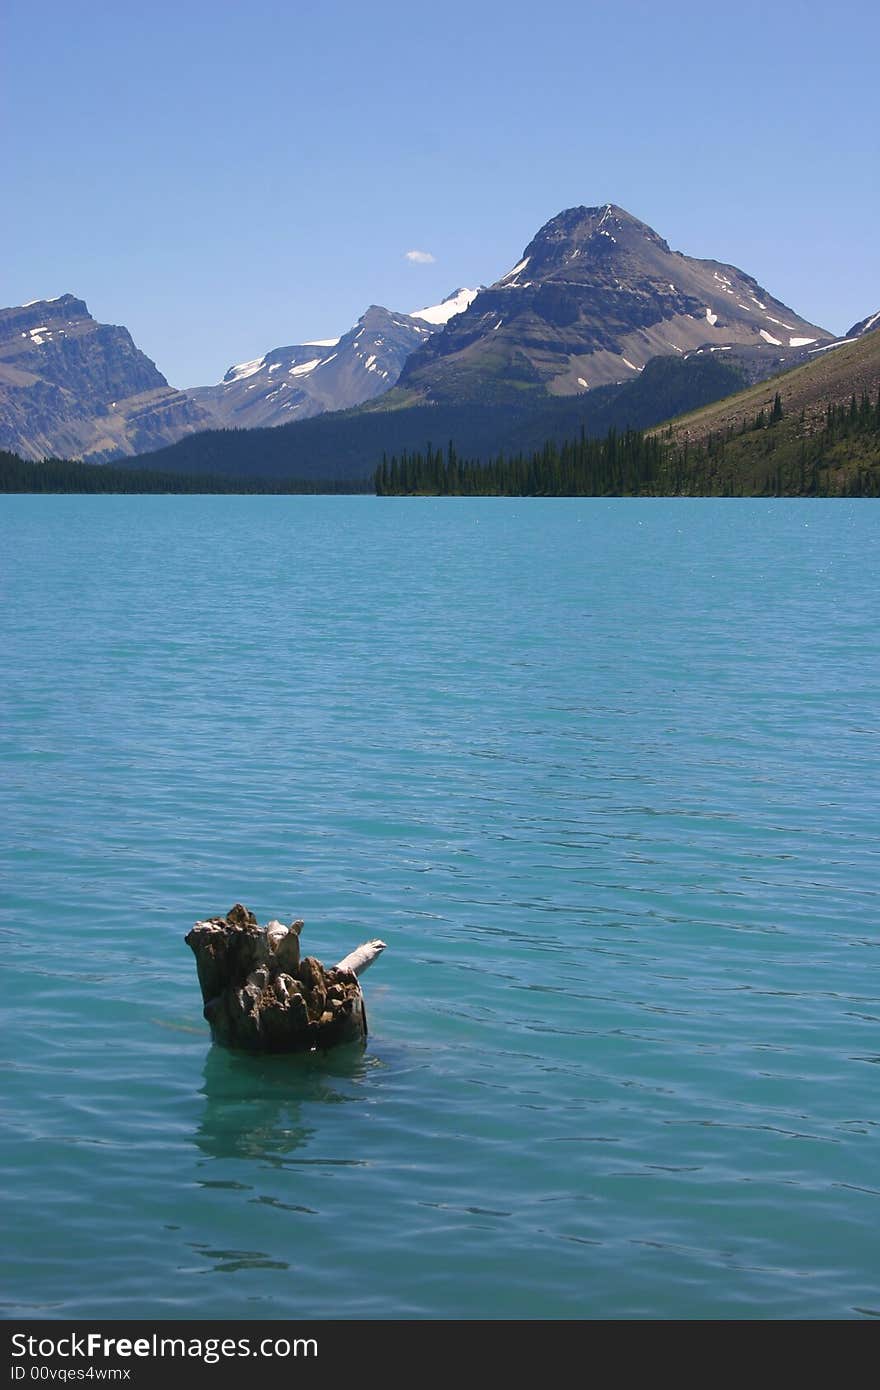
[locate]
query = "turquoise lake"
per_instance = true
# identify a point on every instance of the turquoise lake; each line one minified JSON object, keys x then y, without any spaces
{"x":602,"y":773}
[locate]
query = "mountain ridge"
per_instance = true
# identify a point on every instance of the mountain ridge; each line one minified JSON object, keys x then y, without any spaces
{"x":307,"y":379}
{"x":296,"y":383}
{"x":72,"y":386}
{"x":870,"y":324}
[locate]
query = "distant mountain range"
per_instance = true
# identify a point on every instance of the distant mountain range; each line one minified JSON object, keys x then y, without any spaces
{"x":71,"y":387}
{"x":812,"y":431}
{"x":295,"y":383}
{"x":573,"y":335}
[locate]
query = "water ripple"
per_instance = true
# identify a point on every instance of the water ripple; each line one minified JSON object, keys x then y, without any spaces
{"x":602,"y":774}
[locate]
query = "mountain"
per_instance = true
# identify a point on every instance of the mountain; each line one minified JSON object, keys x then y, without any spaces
{"x":869,"y":325}
{"x":595,"y":296}
{"x":296,"y":383}
{"x":72,"y":387}
{"x":756,"y":364}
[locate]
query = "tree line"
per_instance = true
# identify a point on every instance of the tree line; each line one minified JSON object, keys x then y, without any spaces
{"x":622,"y":462}
{"x":66,"y":475}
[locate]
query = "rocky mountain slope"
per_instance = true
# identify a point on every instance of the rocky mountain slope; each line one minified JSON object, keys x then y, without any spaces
{"x":755,"y":364}
{"x":296,"y":383}
{"x":595,"y":296}
{"x":74,"y":388}
{"x":869,"y":325}
{"x":832,"y":376}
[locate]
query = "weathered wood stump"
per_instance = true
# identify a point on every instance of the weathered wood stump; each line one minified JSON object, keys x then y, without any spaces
{"x":260,"y":994}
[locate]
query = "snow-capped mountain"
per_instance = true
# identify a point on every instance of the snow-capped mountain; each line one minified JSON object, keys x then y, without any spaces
{"x":453,"y":304}
{"x":74,"y":388}
{"x":295,"y":383}
{"x":594,"y":297}
{"x":869,"y":325}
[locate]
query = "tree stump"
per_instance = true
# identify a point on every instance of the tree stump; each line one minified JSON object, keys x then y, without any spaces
{"x":261,"y":995}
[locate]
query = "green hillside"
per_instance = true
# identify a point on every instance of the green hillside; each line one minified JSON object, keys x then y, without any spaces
{"x":832,"y":377}
{"x":835,"y":454}
{"x":809,"y":431}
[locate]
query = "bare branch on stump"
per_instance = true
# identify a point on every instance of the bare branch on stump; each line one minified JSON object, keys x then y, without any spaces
{"x":362,"y":957}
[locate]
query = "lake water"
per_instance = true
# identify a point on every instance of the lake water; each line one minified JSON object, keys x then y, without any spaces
{"x":604,"y":776}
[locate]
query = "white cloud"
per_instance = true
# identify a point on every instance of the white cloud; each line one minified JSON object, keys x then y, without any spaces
{"x":420,"y":257}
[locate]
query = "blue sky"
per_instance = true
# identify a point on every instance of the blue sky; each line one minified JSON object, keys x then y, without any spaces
{"x":227,"y":178}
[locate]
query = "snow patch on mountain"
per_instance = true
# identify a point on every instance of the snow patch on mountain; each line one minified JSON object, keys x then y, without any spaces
{"x":520,"y":265}
{"x":868,"y":325}
{"x":305,"y":367}
{"x":453,"y":304}
{"x":244,"y":369}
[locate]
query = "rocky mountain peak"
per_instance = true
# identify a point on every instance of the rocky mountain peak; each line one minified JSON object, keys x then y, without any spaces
{"x":375,"y":315}
{"x":595,"y":296}
{"x":64,"y":306}
{"x":48,"y":313}
{"x":596,"y":234}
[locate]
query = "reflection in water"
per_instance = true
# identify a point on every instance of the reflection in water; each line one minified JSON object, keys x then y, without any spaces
{"x":253,"y":1104}
{"x":231,"y":1261}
